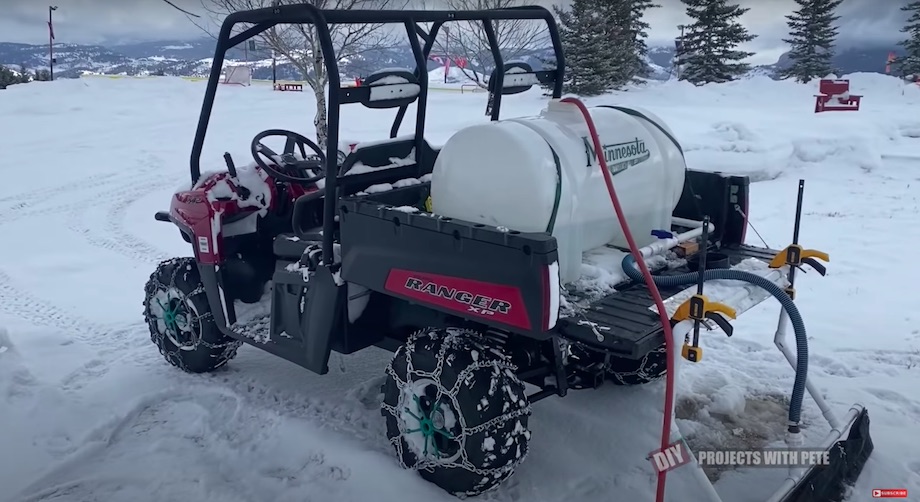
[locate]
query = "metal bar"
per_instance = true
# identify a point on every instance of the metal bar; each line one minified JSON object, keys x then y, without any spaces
{"x":798,"y":225}
{"x":205,"y":117}
{"x":397,"y":121}
{"x":559,"y":55}
{"x":303,"y":13}
{"x":51,"y":9}
{"x":332,"y":134}
{"x":421,"y":103}
{"x":779,"y":339}
{"x":429,"y":43}
{"x":419,"y":69}
{"x":543,"y":394}
{"x":247,"y":34}
{"x":426,"y":36}
{"x":499,"y":68}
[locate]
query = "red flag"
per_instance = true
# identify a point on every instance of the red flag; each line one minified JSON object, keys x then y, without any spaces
{"x":51,"y":29}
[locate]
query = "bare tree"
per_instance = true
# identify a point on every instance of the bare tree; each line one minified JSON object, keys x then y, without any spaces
{"x":180,"y":9}
{"x":300,"y":45}
{"x":468,"y":38}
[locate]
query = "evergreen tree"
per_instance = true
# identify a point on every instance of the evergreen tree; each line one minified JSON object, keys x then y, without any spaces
{"x":619,"y":41}
{"x":9,"y":77}
{"x":595,"y":56}
{"x":909,"y":64}
{"x":638,"y":32}
{"x":709,"y":50}
{"x":811,"y":34}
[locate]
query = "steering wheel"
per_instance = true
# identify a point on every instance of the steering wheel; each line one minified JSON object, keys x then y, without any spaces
{"x":287,"y":167}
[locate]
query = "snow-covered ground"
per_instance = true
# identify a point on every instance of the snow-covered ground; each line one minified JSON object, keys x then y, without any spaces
{"x":90,"y":411}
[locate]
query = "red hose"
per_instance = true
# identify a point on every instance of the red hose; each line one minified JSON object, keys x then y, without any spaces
{"x":662,"y":312}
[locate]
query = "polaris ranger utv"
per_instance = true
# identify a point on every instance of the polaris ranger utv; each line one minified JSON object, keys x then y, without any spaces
{"x":464,"y":260}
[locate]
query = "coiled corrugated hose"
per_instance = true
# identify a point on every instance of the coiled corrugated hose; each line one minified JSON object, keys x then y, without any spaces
{"x":798,"y":325}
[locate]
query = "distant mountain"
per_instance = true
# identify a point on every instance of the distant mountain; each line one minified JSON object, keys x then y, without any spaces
{"x":193,"y":58}
{"x":870,"y":59}
{"x":177,"y":58}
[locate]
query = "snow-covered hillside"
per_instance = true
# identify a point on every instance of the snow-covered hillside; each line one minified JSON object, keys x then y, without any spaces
{"x":90,"y":411}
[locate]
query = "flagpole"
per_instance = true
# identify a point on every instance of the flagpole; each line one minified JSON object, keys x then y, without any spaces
{"x":51,"y":41}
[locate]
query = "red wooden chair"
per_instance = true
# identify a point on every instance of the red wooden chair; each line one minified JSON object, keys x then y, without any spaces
{"x":835,"y":96}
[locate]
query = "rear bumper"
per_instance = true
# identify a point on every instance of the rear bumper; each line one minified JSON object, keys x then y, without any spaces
{"x":626,"y":319}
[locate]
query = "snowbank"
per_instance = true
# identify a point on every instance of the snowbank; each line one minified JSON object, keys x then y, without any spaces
{"x":721,"y":125}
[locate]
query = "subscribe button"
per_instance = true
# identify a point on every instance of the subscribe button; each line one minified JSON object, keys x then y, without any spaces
{"x":889,"y":493}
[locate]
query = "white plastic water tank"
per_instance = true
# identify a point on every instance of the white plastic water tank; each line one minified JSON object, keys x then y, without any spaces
{"x":506,"y":173}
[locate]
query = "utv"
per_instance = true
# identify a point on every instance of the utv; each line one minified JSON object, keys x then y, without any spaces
{"x":307,"y":251}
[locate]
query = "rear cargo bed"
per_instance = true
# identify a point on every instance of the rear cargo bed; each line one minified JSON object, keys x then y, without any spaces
{"x":623,"y":319}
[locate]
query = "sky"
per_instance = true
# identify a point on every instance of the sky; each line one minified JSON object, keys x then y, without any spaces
{"x":102,"y":21}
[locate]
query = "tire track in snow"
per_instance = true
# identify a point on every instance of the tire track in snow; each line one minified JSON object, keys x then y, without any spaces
{"x":22,"y":304}
{"x":107,"y":340}
{"x":36,"y":198}
{"x":113,"y":236}
{"x":67,"y":207}
{"x":110,"y":343}
{"x":228,"y":413}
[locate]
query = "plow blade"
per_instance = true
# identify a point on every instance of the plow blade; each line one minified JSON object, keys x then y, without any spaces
{"x":847,"y":458}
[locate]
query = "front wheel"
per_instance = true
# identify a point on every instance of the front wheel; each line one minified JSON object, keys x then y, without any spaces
{"x":181,"y":324}
{"x":455,"y":410}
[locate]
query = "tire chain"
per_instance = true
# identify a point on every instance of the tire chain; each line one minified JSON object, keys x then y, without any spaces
{"x":228,"y":349}
{"x":646,"y":372}
{"x":494,"y":424}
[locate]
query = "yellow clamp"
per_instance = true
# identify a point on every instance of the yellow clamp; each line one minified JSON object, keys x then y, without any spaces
{"x":698,"y":306}
{"x":428,"y":204}
{"x":794,"y":255}
{"x":691,"y":353}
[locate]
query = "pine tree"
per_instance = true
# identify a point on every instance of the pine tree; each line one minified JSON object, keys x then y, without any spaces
{"x":9,"y":77}
{"x":709,"y":48}
{"x":909,"y":64}
{"x":619,"y":41}
{"x":595,"y":57}
{"x":811,"y":34}
{"x":638,"y":29}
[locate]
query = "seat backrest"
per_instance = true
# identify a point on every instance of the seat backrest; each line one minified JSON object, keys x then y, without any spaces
{"x":834,"y":87}
{"x":385,"y":162}
{"x":519,"y":77}
{"x":389,"y":88}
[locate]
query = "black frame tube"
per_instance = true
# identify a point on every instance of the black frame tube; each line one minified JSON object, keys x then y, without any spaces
{"x":798,"y":225}
{"x":265,"y":18}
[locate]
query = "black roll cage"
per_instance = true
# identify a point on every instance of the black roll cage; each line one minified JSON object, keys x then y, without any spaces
{"x":266,"y":18}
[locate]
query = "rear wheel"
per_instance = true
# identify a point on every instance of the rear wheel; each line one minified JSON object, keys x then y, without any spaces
{"x":180,"y":320}
{"x":455,"y":410}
